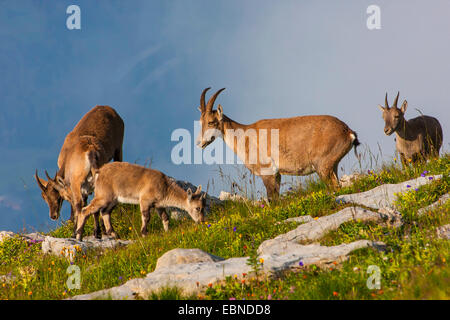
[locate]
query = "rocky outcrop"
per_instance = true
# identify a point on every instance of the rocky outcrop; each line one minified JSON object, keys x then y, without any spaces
{"x":193,"y":276}
{"x":193,"y":269}
{"x":185,"y":256}
{"x":348,"y":179}
{"x":384,"y":196}
{"x":69,"y":248}
{"x":316,"y":229}
{"x":443,"y":232}
{"x":31,"y":237}
{"x":443,"y":199}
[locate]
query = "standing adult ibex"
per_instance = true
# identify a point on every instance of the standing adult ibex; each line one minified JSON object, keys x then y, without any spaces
{"x":418,"y":138}
{"x":95,"y":140}
{"x":122,"y":182}
{"x":298,"y":145}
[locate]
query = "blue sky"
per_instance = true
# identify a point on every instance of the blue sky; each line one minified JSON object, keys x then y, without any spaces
{"x":150,"y":60}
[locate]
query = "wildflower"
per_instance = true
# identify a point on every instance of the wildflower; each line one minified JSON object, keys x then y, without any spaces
{"x":244,"y":274}
{"x":64,"y":293}
{"x":262,"y":206}
{"x":408,"y":186}
{"x":243,"y":281}
{"x":244,"y":247}
{"x":300,"y":264}
{"x":210,"y":285}
{"x":30,"y":293}
{"x":335,"y":293}
{"x":209,"y":225}
{"x":53,"y":263}
{"x":129,"y":228}
{"x":261,"y":260}
{"x":316,"y":218}
{"x":416,"y":189}
{"x":234,"y":229}
{"x":292,"y":289}
{"x":430,"y":178}
{"x":269,"y":297}
{"x":235,"y":276}
{"x":304,"y":276}
{"x":232,"y":298}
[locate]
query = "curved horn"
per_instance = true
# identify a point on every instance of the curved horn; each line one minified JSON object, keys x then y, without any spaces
{"x":202,"y":99}
{"x":211,"y":100}
{"x":396,"y":99}
{"x":386,"y":104}
{"x":38,"y":180}
{"x":48,"y":177}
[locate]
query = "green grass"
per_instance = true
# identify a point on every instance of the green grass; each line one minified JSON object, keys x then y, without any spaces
{"x":414,"y":265}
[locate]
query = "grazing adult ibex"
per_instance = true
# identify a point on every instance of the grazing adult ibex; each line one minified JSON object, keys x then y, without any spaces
{"x":122,"y":182}
{"x":298,"y":145}
{"x":95,"y":140}
{"x":418,"y":138}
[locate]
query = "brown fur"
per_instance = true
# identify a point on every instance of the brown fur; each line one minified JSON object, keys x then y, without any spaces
{"x":95,"y":140}
{"x":307,"y":144}
{"x":121,"y":182}
{"x":418,"y":139}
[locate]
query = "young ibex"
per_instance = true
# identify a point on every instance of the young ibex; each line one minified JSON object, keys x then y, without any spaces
{"x":95,"y":140}
{"x":417,"y":139}
{"x":122,"y":182}
{"x":298,"y":145}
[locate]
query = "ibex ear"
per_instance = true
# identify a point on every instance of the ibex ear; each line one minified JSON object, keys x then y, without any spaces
{"x":199,"y":109}
{"x":381,"y":107}
{"x":189,"y":194}
{"x":404,"y":106}
{"x":60,"y":182}
{"x":219,"y":112}
{"x":199,"y":189}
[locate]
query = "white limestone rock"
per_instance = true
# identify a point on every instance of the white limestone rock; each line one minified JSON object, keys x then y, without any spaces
{"x":443,"y":199}
{"x":384,"y":195}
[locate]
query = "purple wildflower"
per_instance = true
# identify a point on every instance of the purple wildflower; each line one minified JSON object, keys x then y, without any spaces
{"x":300,"y":264}
{"x":416,"y":189}
{"x":234,"y":229}
{"x":408,"y":186}
{"x":209,"y":225}
{"x":430,"y":178}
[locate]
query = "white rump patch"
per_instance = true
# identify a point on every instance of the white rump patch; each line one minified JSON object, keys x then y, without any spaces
{"x":352,"y":136}
{"x":128,"y":200}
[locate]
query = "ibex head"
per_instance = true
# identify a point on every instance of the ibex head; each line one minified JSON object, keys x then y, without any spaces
{"x":54,"y":191}
{"x":392,"y":116}
{"x":211,"y":120}
{"x":196,"y":204}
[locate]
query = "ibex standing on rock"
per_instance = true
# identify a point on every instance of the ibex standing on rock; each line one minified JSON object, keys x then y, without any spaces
{"x":298,"y":145}
{"x":122,"y":182}
{"x":418,"y":138}
{"x":95,"y":140}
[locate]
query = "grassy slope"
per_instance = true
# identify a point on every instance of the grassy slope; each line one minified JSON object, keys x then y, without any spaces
{"x":414,"y":265}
